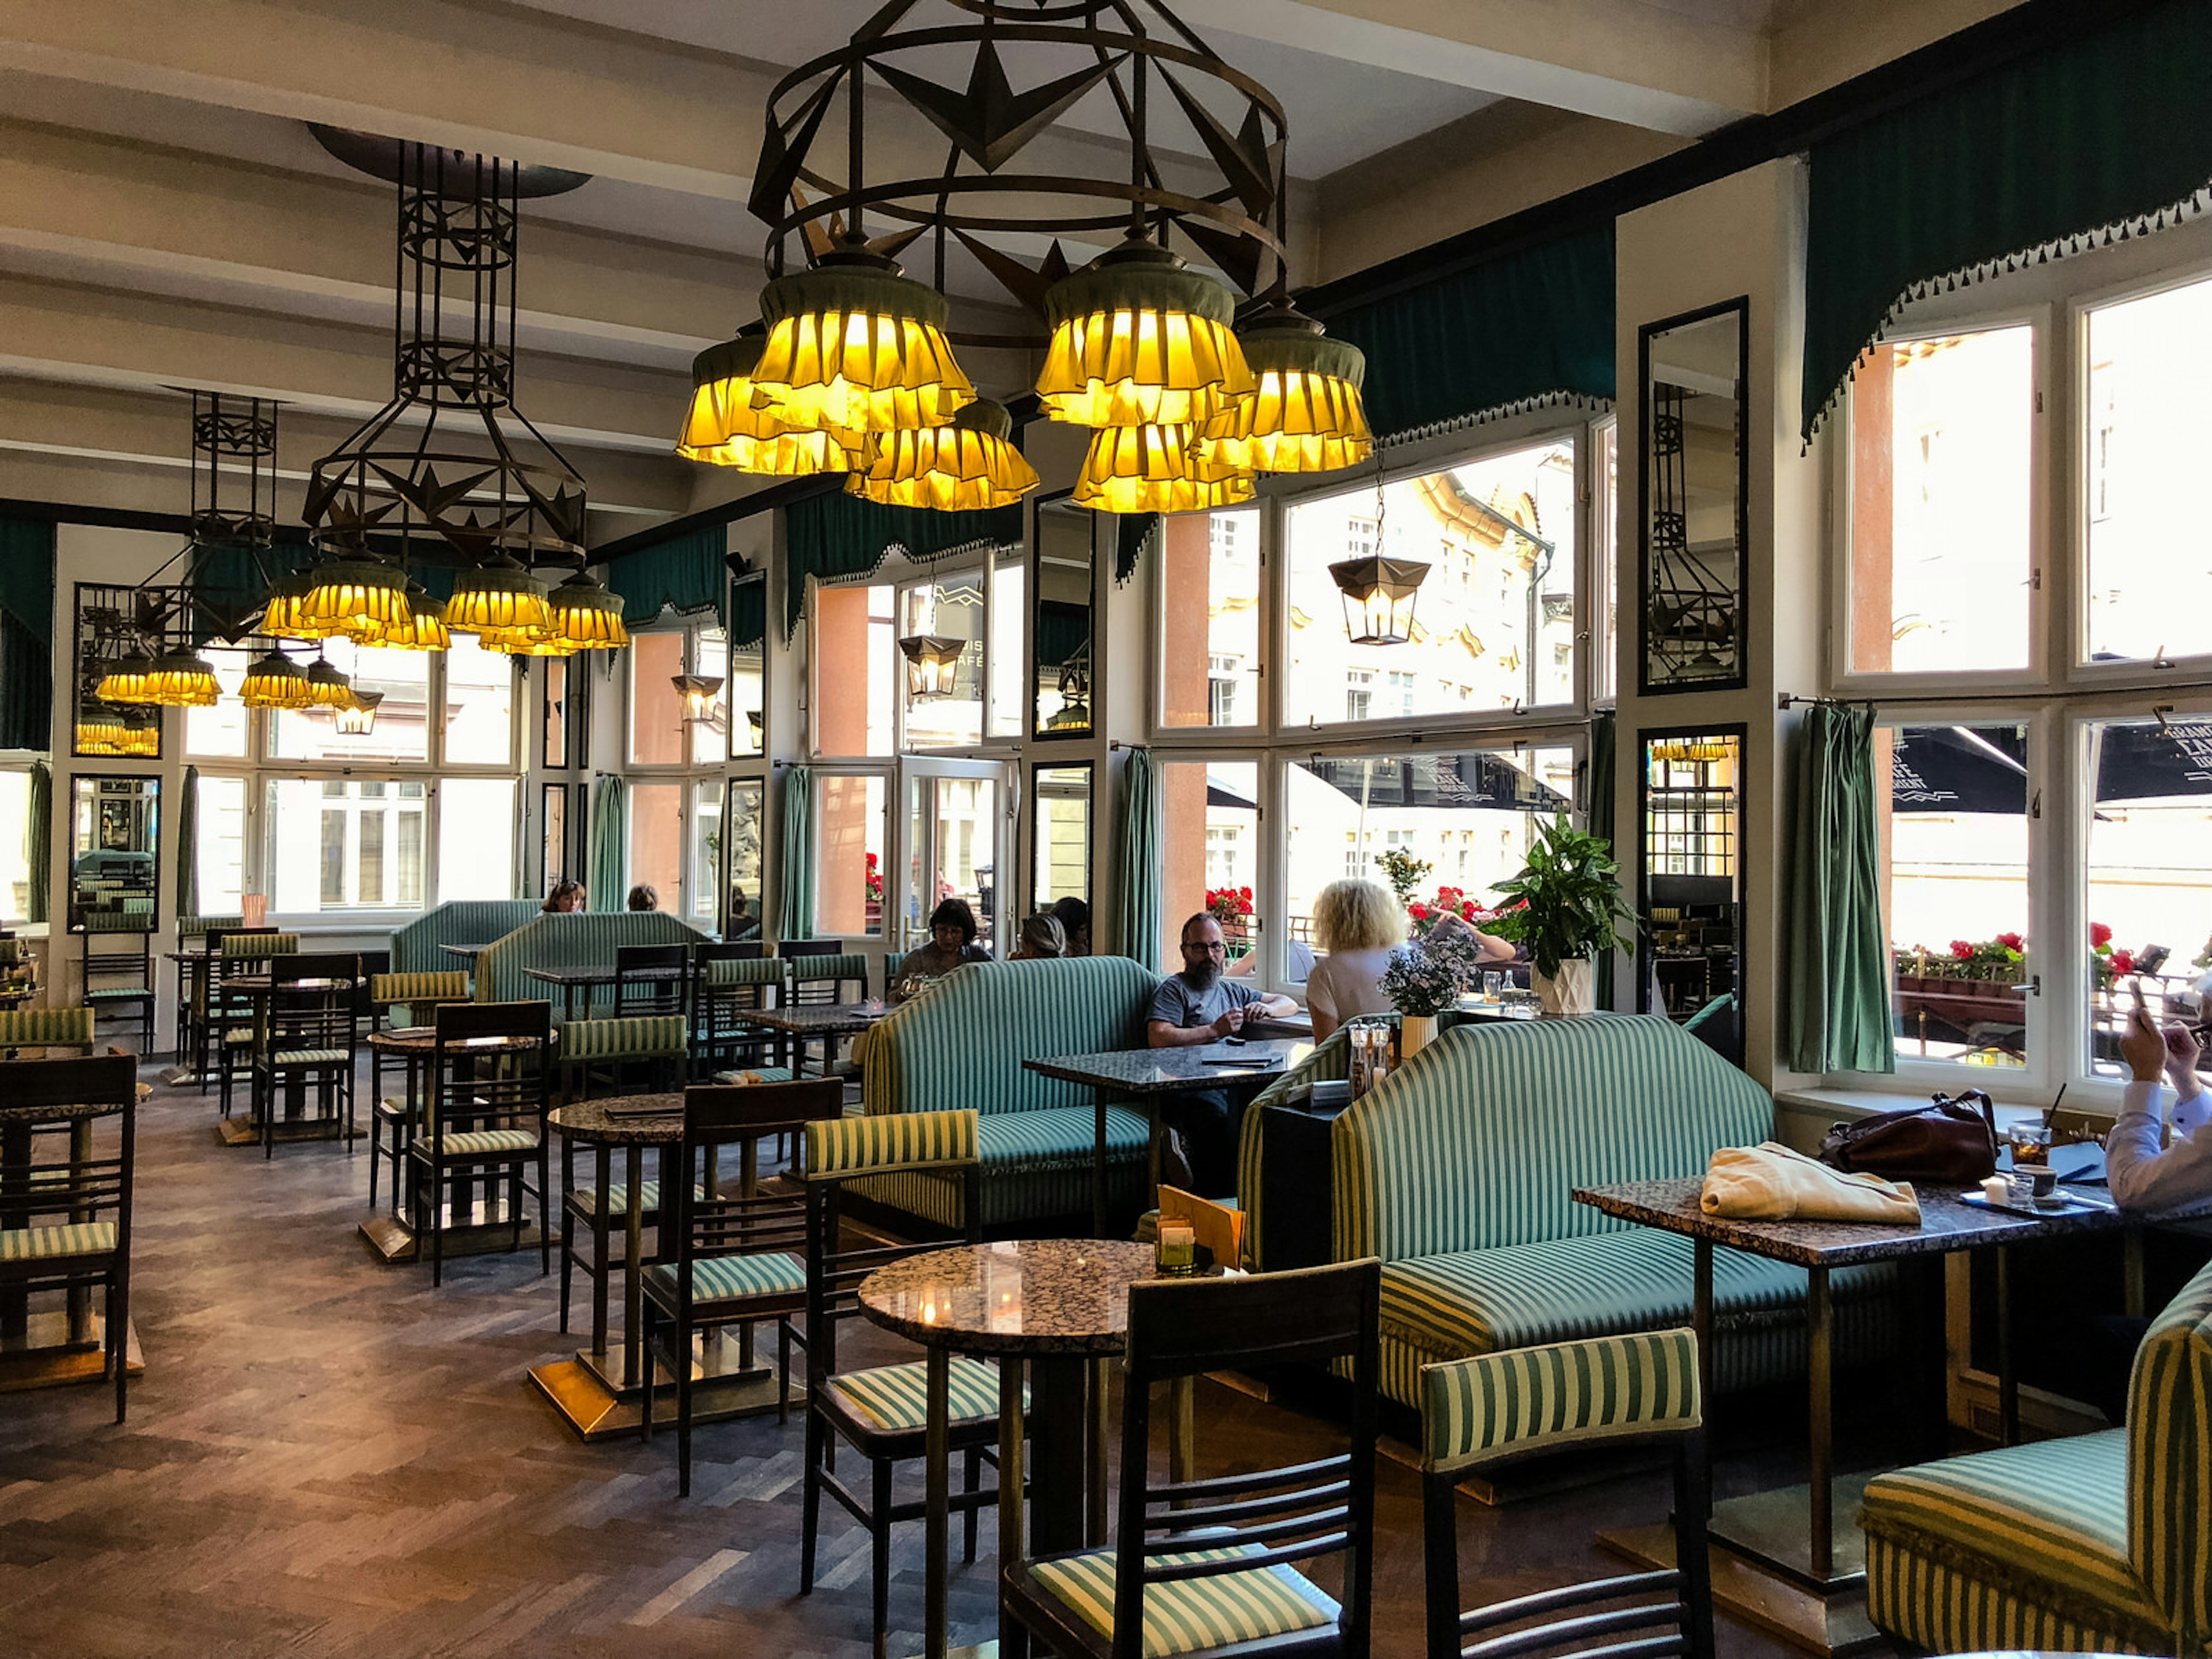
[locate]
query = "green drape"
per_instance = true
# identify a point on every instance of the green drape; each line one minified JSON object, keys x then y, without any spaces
{"x":2074,"y":145}
{"x":608,"y":883}
{"x":1529,"y":328}
{"x":26,"y":634}
{"x":1135,"y":535}
{"x":1137,"y":910}
{"x":188,"y":845}
{"x":748,"y":612}
{"x":839,"y":536}
{"x":1598,"y":818}
{"x":39,"y":841}
{"x":795,"y":899}
{"x":1835,"y":963}
{"x":686,"y":572}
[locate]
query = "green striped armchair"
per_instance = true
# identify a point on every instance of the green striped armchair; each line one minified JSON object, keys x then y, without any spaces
{"x":569,"y":940}
{"x":2097,"y":1543}
{"x":45,"y":1028}
{"x":1457,"y":1171}
{"x":962,"y":1044}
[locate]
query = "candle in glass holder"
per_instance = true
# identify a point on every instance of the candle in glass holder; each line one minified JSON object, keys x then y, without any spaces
{"x":1174,"y":1249}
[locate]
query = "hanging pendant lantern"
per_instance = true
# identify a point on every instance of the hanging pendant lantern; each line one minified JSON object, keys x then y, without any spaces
{"x":855,"y":345}
{"x":1303,"y":413}
{"x":1154,"y":469}
{"x":727,"y":426}
{"x":354,"y":598}
{"x":1378,"y":597}
{"x":497,"y":597}
{"x":178,"y":679}
{"x":969,"y":464}
{"x":585,"y":616}
{"x":130,"y":679}
{"x":698,"y":692}
{"x":1139,"y":339}
{"x":275,"y":681}
{"x":933,"y":665}
{"x":356,"y":717}
{"x":424,"y":630}
{"x":327,"y":688}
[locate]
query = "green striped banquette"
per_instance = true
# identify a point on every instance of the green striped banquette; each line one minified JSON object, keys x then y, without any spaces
{"x":414,"y":948}
{"x":1458,"y":1171}
{"x":962,"y":1044}
{"x":2101,"y":1542}
{"x":571,"y":939}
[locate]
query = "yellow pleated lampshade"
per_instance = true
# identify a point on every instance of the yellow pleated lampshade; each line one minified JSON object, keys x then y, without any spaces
{"x":727,"y":425}
{"x":497,"y":597}
{"x":326,"y":687}
{"x":1139,"y":339}
{"x":585,"y":616}
{"x":1154,"y":469}
{"x":178,"y":679}
{"x":286,"y":616}
{"x":275,"y":681}
{"x":354,"y":598}
{"x":1303,"y":413}
{"x":424,"y":630}
{"x":969,"y":464}
{"x":854,"y":346}
{"x":128,"y":680}
{"x":521,"y":642}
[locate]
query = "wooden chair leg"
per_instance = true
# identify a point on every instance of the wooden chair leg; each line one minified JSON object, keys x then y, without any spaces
{"x":679,"y":1361}
{"x":973,"y":1472}
{"x":544,"y":1215}
{"x":880,"y":1544}
{"x":648,"y":1346}
{"x":810,"y":1501}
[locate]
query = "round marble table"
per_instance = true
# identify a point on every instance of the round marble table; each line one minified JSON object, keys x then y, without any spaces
{"x":1057,"y":1307}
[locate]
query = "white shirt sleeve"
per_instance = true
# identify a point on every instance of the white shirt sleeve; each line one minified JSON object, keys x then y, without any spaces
{"x":2144,"y":1175}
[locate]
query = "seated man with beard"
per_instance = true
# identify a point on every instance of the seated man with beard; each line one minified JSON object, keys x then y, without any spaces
{"x":1202,"y":1005}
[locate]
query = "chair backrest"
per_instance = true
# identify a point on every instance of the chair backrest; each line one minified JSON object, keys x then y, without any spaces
{"x":1500,"y":1408}
{"x":1522,"y":1114}
{"x":58,"y":1186}
{"x":202,"y":927}
{"x":570,"y":940}
{"x":126,"y":945}
{"x":98,"y":1081}
{"x":807,"y":947}
{"x":255,"y":943}
{"x":2170,"y":1463}
{"x":420,"y":990}
{"x":706,"y":1220}
{"x":624,"y":1036}
{"x":825,"y":979}
{"x":45,"y":1028}
{"x":312,"y":1001}
{"x":498,"y":1087}
{"x":751,"y":950}
{"x":322,"y":964}
{"x":639,"y":985}
{"x":1267,"y":1518}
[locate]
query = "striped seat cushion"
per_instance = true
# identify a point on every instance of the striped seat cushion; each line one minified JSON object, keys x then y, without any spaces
{"x":2045,"y":1524}
{"x":311,"y":1057}
{"x":1190,"y":1615}
{"x":619,"y":1198}
{"x":50,"y":1243}
{"x":1058,"y":1137}
{"x":1526,"y":1400}
{"x":723,"y":1277}
{"x":43,"y":1027}
{"x":895,"y":1398}
{"x":118,"y":994}
{"x":469,"y":1143}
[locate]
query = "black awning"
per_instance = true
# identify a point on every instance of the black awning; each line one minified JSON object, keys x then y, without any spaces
{"x":1472,"y":779}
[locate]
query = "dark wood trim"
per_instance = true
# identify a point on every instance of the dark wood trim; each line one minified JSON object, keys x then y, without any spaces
{"x":2024,"y":30}
{"x":789,"y":493}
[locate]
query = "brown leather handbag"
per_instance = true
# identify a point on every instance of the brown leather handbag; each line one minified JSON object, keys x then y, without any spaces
{"x":1949,"y":1142}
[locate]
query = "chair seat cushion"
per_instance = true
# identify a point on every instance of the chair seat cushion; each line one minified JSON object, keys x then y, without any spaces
{"x":1189,"y":1615}
{"x":2048,"y":1521}
{"x":1057,"y":1137}
{"x":470,"y":1142}
{"x":311,"y":1057}
{"x":49,"y":1244}
{"x":118,"y":994}
{"x":721,"y":1278}
{"x":586,"y":1201}
{"x":895,"y":1398}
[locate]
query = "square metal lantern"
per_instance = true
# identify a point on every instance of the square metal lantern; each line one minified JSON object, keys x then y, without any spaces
{"x":1378,"y":597}
{"x":933,"y":665}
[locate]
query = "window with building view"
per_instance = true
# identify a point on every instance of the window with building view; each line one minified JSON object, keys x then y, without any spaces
{"x":15,"y":844}
{"x":1210,"y":619}
{"x":941,"y":622}
{"x":1494,"y":619}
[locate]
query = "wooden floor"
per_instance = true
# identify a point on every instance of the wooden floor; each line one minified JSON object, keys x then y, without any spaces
{"x":326,"y":1456}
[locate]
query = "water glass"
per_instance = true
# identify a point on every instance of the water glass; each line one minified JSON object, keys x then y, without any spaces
{"x":1494,"y":985}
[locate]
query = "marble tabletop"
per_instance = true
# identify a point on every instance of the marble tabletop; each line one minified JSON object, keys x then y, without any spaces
{"x":255,"y":984}
{"x":591,"y":1120}
{"x":1059,"y":1296}
{"x":1175,"y":1071}
{"x":602,"y":973}
{"x":1946,"y":1223}
{"x":820,"y":1018}
{"x":67,"y":1112}
{"x":423,"y":1039}
{"x":466,"y":952}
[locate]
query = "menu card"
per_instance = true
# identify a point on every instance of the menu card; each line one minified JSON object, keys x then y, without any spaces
{"x":1217,"y":1228}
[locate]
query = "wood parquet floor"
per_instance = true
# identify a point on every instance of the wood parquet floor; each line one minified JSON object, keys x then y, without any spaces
{"x":326,"y":1456}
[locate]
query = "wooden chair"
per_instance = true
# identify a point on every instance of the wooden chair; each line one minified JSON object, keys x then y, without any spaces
{"x":311,"y":1037}
{"x":484,"y":1114}
{"x":883,"y":1413}
{"x":119,"y":975}
{"x":1205,"y":1567}
{"x":730,"y":981}
{"x":45,"y":1028}
{"x":227,"y":1030}
{"x":822,"y":979}
{"x":728,"y":1259}
{"x":638,"y":994}
{"x":64,"y":1214}
{"x":1516,"y":1403}
{"x":620,"y":1046}
{"x":422,"y":995}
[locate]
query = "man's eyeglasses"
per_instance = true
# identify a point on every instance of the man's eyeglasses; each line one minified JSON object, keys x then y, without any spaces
{"x":1209,"y":946}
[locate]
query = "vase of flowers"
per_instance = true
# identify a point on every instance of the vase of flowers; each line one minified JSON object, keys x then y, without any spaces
{"x":1424,"y":978}
{"x":1570,"y":909}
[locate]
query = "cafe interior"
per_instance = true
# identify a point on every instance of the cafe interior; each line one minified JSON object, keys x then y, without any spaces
{"x":1142,"y":743}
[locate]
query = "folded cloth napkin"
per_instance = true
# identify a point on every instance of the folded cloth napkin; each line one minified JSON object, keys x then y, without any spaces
{"x":1770,"y":1182}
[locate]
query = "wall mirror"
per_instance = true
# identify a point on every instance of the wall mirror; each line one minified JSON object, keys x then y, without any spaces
{"x":1060,"y":560}
{"x":1694,"y":481}
{"x":115,"y":844}
{"x":748,"y":699}
{"x":1059,"y":800}
{"x":1690,"y":899}
{"x":742,"y":901}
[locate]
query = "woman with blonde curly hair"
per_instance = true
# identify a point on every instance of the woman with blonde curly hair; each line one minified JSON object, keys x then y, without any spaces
{"x":1359,"y":924}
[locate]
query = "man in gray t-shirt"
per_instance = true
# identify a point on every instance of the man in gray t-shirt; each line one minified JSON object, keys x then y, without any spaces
{"x":1200,"y":1006}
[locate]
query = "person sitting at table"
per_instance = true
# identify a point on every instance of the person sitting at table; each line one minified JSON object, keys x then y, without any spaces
{"x":566,"y":898}
{"x":1201,"y":1005}
{"x":2143,"y":1174}
{"x":1041,"y":938}
{"x":744,"y":921}
{"x":1073,"y":916}
{"x":643,"y":897}
{"x":952,"y":942}
{"x":1360,"y":925}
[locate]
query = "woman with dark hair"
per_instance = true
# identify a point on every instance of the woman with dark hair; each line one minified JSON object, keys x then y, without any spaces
{"x":566,"y":896}
{"x":644,"y":897}
{"x":1073,"y":916}
{"x":952,"y":942}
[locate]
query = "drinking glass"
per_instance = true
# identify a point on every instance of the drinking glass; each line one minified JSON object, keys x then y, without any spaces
{"x":1494,"y":985}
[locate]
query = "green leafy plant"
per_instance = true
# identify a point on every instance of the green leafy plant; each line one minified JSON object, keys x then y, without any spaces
{"x":1569,"y":892}
{"x":1403,"y":872}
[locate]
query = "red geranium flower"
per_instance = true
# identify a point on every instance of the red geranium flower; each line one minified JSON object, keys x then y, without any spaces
{"x":2123,"y":962}
{"x":2011,"y":941}
{"x":2099,"y":935}
{"x":1418,"y":911}
{"x":1963,"y":949}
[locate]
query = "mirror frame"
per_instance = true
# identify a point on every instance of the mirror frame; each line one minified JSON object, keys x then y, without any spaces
{"x":1645,"y":736}
{"x":730,"y":750}
{"x":732,"y":783}
{"x":1646,"y":684}
{"x":1030,"y":664}
{"x":150,"y":785}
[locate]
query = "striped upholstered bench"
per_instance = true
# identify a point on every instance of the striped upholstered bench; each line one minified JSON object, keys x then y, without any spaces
{"x":45,"y":1028}
{"x":2101,"y":1542}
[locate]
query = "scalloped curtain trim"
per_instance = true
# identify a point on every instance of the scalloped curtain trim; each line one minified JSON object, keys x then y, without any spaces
{"x":1497,"y":412}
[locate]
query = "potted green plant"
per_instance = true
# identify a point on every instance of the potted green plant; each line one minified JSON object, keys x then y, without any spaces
{"x":1570,"y":909}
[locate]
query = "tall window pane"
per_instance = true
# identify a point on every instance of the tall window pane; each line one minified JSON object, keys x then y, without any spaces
{"x":221,"y":731}
{"x":710,"y":660}
{"x":1062,"y":797}
{"x":857,"y":671}
{"x":656,"y":708}
{"x":1009,"y":595}
{"x":1942,"y":451}
{"x":15,"y":845}
{"x":401,"y":733}
{"x":848,"y":859}
{"x":341,"y":844}
{"x":702,"y":874}
{"x":479,"y":705}
{"x":221,"y":853}
{"x":947,"y":617}
{"x":656,"y":843}
{"x":1210,"y":619}
{"x":1209,"y":844}
{"x":475,"y":841}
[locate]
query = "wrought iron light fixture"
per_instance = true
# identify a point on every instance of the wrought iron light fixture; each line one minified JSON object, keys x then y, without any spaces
{"x":275,"y":681}
{"x":1378,"y":597}
{"x":699,"y":692}
{"x":356,"y":717}
{"x":583,"y":616}
{"x":933,"y":665}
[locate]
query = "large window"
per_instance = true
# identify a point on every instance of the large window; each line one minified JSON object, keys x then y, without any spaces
{"x":403,"y":722}
{"x":338,"y":844}
{"x":15,"y":844}
{"x":1210,"y":619}
{"x":848,"y":852}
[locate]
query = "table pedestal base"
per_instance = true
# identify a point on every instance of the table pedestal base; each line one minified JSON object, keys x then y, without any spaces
{"x":43,"y":1356}
{"x":245,"y":1131}
{"x":393,"y":1240}
{"x":588,"y":1391}
{"x":1761,"y":1555}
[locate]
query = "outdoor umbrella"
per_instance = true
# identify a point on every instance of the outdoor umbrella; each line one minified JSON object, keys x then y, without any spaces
{"x":1474,"y":778}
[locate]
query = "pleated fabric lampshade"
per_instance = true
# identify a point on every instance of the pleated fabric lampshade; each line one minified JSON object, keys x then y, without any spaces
{"x":854,"y":345}
{"x":958,"y":468}
{"x":728,"y":425}
{"x":1303,"y":413}
{"x":1139,"y":339}
{"x":1155,"y":469}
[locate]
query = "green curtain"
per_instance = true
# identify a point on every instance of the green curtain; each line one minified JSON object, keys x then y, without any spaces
{"x":795,"y":904}
{"x":2075,"y":146}
{"x":1598,"y":818}
{"x":684,"y":573}
{"x":837,"y":537}
{"x":748,"y":612}
{"x":608,"y":882}
{"x":1137,"y":914}
{"x":39,"y":840}
{"x":188,"y":845}
{"x":1835,"y":963}
{"x":26,"y":634}
{"x":1529,"y":328}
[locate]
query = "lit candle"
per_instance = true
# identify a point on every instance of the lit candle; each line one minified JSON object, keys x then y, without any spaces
{"x":1175,"y":1251}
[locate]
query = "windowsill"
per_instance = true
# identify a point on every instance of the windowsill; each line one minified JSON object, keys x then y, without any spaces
{"x":1845,"y":1105}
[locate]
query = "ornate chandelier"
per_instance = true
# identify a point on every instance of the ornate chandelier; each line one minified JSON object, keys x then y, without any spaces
{"x":852,"y":367}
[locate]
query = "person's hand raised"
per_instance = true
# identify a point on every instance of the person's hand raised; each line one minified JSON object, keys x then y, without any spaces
{"x":1231,"y":1022}
{"x":2141,"y":1044}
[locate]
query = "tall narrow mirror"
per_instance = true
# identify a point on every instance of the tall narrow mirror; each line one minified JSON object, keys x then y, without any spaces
{"x":748,"y":703}
{"x":1059,"y":799}
{"x":1061,"y":555}
{"x":741,"y":825}
{"x":115,"y":867}
{"x":1690,"y":959}
{"x":1695,"y":479}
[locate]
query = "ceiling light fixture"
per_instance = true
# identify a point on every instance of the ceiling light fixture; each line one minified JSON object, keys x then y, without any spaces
{"x":356,"y":717}
{"x":727,"y":425}
{"x":1155,"y":469}
{"x":700,"y":693}
{"x":423,"y":630}
{"x":275,"y":681}
{"x":129,"y":679}
{"x":583,"y":616}
{"x":327,"y":687}
{"x":1304,"y":413}
{"x":971,"y":463}
{"x":933,"y":665}
{"x":180,"y":679}
{"x":1140,"y":339}
{"x":1378,"y":597}
{"x":856,"y":345}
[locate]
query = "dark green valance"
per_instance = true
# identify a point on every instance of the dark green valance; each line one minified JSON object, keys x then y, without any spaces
{"x":839,"y":536}
{"x":748,"y":612}
{"x":2084,"y":144}
{"x":26,"y":634}
{"x":1062,"y":629}
{"x":684,"y":573}
{"x":1133,"y":533}
{"x":1517,"y":331}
